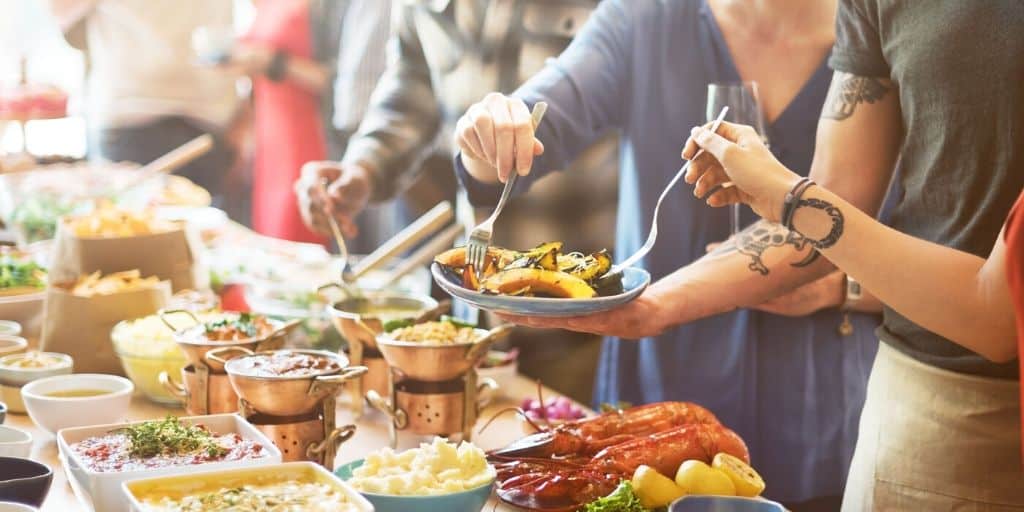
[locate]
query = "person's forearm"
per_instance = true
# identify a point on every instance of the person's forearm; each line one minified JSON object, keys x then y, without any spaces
{"x":308,"y":74}
{"x":761,"y":262}
{"x":949,"y":292}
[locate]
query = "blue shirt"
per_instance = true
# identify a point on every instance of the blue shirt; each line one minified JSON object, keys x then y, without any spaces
{"x":792,"y":387}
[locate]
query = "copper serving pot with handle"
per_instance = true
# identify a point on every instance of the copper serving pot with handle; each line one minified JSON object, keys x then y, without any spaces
{"x":285,"y":395}
{"x":196,"y":345}
{"x":361,"y":319}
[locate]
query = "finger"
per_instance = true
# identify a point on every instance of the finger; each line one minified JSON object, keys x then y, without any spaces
{"x":725,"y":197}
{"x":348,"y":227}
{"x":713,"y":143}
{"x":701,"y":165}
{"x":538,"y":147}
{"x":709,"y":183}
{"x":712,"y":246}
{"x":504,"y":137}
{"x":483,"y":126}
{"x":471,"y":147}
{"x":317,"y":170}
{"x":522,"y":124}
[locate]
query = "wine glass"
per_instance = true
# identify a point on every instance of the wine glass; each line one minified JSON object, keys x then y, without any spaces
{"x":744,"y":108}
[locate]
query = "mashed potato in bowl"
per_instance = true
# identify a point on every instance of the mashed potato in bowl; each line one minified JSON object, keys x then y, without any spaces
{"x":432,"y":469}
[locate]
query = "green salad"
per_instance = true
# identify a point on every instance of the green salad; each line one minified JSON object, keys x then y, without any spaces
{"x":19,"y":274}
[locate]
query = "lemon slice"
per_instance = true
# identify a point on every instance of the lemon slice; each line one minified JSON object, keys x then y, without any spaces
{"x":654,"y":489}
{"x":696,"y":477}
{"x":748,"y":483}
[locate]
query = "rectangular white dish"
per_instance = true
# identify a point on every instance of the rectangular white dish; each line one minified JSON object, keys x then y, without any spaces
{"x":101,"y":491}
{"x":210,"y":481}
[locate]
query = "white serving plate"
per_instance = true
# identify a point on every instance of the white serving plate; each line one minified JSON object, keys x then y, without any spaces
{"x":102,"y":491}
{"x":199,"y":482}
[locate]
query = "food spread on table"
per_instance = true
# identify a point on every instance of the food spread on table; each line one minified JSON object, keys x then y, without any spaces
{"x":544,"y":271}
{"x":285,"y":363}
{"x":435,"y":468}
{"x":150,"y":337}
{"x":109,"y":221}
{"x":118,"y":282}
{"x":284,"y":496}
{"x":20,"y":275}
{"x":162,"y":443}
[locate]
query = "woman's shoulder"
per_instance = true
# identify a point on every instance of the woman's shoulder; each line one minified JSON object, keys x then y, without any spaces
{"x":654,"y":13}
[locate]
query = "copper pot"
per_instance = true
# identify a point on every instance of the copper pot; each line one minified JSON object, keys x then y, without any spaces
{"x":437,"y":363}
{"x":216,"y":396}
{"x":356,"y":320}
{"x":196,"y":349}
{"x":288,"y":395}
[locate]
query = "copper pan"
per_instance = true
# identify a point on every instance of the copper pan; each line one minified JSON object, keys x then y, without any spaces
{"x":196,"y":350}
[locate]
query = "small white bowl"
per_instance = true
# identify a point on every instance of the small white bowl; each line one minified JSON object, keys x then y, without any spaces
{"x":9,"y":506}
{"x":56,"y":413}
{"x":13,"y":377}
{"x":15,"y":442}
{"x":10,"y":327}
{"x":12,"y":344}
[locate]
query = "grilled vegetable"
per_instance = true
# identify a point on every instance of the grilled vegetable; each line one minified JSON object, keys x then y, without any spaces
{"x":538,"y":282}
{"x":586,"y":267}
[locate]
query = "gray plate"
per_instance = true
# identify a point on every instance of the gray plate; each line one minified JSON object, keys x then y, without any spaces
{"x":634,"y":281}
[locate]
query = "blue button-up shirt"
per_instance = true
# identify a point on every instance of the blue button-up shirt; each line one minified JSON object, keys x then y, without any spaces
{"x":792,"y":387}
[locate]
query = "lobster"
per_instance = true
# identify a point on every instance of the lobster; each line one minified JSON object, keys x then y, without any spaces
{"x":588,"y":436}
{"x":565,"y":484}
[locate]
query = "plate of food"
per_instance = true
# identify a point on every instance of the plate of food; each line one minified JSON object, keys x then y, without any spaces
{"x":543,"y":281}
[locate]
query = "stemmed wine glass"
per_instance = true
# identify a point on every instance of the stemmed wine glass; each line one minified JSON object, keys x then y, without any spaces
{"x":744,"y":108}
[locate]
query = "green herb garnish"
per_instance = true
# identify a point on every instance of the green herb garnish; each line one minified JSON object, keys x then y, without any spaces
{"x":244,"y":323}
{"x":392,"y":325}
{"x":624,"y":499}
{"x":457,"y":322}
{"x":170,"y":437}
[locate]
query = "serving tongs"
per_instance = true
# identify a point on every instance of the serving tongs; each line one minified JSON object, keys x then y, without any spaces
{"x":428,"y":224}
{"x":168,"y":163}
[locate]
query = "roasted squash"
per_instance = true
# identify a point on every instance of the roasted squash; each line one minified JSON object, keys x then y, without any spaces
{"x":539,"y":281}
{"x":456,"y":258}
{"x":587,"y":267}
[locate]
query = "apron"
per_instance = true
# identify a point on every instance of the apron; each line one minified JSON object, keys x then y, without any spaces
{"x":932,"y":439}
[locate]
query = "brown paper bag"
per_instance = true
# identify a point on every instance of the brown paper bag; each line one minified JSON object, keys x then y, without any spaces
{"x":172,"y":256}
{"x":80,"y":326}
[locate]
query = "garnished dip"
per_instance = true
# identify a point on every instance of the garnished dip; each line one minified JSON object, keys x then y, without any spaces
{"x":243,"y":326}
{"x":162,"y":443}
{"x":286,"y":496}
{"x":444,"y":332}
{"x":18,"y":277}
{"x":284,"y":363}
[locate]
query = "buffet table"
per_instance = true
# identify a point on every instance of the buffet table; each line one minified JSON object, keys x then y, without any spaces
{"x":372,"y":434}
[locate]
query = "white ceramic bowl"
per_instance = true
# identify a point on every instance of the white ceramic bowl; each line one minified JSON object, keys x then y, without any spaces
{"x":12,"y":344}
{"x":12,"y":378}
{"x":8,"y":506}
{"x":15,"y":442}
{"x":103,"y":491}
{"x":56,"y":413}
{"x":10,"y":327}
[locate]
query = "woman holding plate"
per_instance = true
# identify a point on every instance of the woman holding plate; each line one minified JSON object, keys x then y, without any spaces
{"x":791,"y":386}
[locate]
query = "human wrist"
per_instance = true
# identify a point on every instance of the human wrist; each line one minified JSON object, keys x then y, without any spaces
{"x":777,"y":193}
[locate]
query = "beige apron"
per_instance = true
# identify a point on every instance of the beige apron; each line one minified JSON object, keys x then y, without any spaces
{"x":932,"y":439}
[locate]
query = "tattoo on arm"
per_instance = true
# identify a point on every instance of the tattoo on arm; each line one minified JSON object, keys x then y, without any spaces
{"x":847,"y":91}
{"x":835,"y":214}
{"x":754,"y":241}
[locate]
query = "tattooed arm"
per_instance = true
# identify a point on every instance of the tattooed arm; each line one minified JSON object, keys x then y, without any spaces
{"x":855,"y":156}
{"x":952,"y":293}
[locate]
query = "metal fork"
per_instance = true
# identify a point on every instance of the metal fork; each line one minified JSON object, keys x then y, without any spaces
{"x":653,"y":236}
{"x":480,"y":237}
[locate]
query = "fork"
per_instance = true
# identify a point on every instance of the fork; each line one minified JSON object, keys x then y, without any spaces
{"x":653,"y":235}
{"x":480,"y":237}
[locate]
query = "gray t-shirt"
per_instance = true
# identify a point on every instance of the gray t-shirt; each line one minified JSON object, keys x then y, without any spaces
{"x":958,"y":66}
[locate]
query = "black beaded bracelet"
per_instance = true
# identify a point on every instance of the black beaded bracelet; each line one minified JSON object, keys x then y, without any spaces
{"x":789,"y":203}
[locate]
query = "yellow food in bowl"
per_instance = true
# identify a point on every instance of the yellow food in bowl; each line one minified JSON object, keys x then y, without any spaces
{"x":286,"y":495}
{"x":430,"y":470}
{"x":146,"y":347}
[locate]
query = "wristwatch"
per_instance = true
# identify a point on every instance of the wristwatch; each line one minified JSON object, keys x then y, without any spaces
{"x":278,"y":66}
{"x":852,"y":296}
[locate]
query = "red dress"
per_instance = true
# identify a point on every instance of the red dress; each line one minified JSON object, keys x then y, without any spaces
{"x":1014,"y":238}
{"x":287,"y":124}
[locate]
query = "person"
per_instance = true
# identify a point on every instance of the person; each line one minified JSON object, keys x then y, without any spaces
{"x":144,"y":93}
{"x":792,"y":387}
{"x":291,"y":52}
{"x":941,"y":406}
{"x":443,"y":57}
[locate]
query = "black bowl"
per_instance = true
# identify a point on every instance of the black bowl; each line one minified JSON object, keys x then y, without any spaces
{"x":24,"y":481}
